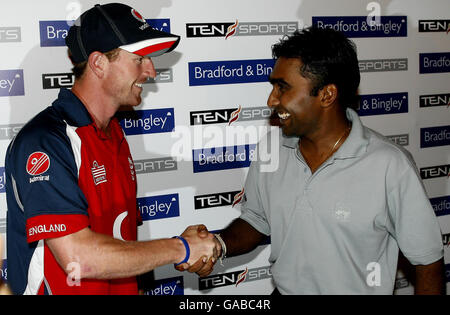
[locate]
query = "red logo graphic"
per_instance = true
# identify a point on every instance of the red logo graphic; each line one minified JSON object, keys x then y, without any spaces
{"x":137,"y":15}
{"x":242,"y":276}
{"x":235,"y":115}
{"x":38,"y":163}
{"x":231,"y":30}
{"x":238,"y":198}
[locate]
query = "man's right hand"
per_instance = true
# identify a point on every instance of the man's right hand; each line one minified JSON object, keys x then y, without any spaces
{"x":204,"y":265}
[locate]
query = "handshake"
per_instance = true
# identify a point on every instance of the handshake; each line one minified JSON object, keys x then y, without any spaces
{"x":202,"y":250}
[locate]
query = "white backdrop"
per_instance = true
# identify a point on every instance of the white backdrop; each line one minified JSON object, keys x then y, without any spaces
{"x":221,"y":66}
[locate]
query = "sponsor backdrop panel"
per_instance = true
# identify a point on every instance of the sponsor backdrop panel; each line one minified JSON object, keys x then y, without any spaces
{"x":194,"y":134}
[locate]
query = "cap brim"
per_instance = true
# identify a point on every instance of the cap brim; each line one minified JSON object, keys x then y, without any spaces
{"x":152,"y":47}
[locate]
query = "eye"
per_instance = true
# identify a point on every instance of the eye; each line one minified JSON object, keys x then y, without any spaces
{"x":139,"y":60}
{"x":282,"y":87}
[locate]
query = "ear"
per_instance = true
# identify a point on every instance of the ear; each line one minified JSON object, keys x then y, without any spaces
{"x":328,"y":95}
{"x":97,"y":63}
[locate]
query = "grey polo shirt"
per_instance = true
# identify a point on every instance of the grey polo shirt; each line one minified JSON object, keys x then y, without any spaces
{"x":339,"y":230}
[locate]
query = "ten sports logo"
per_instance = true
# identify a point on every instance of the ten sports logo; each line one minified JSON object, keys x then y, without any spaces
{"x":236,"y":28}
{"x":433,"y":26}
{"x":229,"y":115}
{"x":234,"y":278}
{"x":10,"y":34}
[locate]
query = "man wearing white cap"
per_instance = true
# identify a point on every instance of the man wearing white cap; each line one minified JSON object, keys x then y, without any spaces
{"x":71,"y":189}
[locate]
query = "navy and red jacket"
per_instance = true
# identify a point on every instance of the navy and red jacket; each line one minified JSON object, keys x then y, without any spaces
{"x":63,"y":174}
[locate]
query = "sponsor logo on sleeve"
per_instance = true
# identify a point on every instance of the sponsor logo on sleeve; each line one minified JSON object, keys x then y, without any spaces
{"x":38,"y":163}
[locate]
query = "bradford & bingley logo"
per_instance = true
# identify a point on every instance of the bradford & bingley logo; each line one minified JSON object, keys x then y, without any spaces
{"x":53,"y":33}
{"x":137,"y":122}
{"x":237,"y":28}
{"x":12,"y":82}
{"x":361,"y":26}
{"x":434,"y":136}
{"x":229,"y":71}
{"x":386,"y":103}
{"x":159,"y":207}
{"x":438,"y":62}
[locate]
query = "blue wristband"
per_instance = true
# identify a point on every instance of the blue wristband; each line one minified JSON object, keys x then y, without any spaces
{"x":188,"y":251}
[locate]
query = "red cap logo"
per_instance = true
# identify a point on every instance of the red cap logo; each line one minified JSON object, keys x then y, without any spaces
{"x":38,"y":163}
{"x":137,"y":15}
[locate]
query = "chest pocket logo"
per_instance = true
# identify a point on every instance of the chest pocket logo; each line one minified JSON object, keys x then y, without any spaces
{"x":98,"y":173}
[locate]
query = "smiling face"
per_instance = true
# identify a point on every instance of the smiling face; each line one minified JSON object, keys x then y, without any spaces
{"x":125,"y":77}
{"x":299,"y":112}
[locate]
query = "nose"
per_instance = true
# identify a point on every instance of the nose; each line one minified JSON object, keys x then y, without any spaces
{"x":149,"y":68}
{"x":273,"y":100}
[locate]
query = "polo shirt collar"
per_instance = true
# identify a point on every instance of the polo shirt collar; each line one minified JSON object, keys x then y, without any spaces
{"x":355,"y":144}
{"x":73,"y":111}
{"x":357,"y":141}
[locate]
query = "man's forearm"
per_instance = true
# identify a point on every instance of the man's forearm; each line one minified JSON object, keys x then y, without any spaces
{"x":430,"y":278}
{"x":240,"y":238}
{"x":100,"y":256}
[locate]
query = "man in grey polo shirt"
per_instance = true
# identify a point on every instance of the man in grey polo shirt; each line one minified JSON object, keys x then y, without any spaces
{"x":344,"y":199}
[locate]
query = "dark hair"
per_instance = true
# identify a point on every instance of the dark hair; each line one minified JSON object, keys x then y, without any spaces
{"x":79,"y":68}
{"x":328,"y":57}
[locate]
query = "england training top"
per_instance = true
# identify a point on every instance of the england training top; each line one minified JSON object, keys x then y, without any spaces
{"x":63,"y":175}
